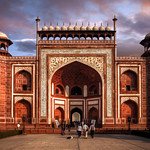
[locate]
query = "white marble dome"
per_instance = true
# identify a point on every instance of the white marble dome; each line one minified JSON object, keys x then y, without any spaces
{"x":82,"y":27}
{"x":147,"y":36}
{"x":89,"y":27}
{"x":57,"y":28}
{"x":70,"y":27}
{"x":101,"y":28}
{"x":51,"y":28}
{"x":108,"y":28}
{"x":3,"y":35}
{"x":76,"y":27}
{"x":95,"y":28}
{"x":63,"y":28}
{"x":45,"y":28}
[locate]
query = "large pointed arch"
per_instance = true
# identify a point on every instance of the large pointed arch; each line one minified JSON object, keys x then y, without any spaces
{"x":77,"y":74}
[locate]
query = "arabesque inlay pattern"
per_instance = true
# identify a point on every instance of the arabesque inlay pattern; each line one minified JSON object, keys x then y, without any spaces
{"x":94,"y":61}
{"x":20,"y":68}
{"x":27,"y":98}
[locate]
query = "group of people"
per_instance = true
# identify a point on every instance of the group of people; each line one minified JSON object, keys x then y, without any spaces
{"x":64,"y":126}
{"x":85,"y":129}
{"x":81,"y":128}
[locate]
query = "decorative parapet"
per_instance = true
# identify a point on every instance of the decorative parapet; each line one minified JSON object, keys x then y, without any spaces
{"x":76,"y":35}
{"x":21,"y":58}
{"x":75,"y":32}
{"x":129,"y":58}
{"x":75,"y":42}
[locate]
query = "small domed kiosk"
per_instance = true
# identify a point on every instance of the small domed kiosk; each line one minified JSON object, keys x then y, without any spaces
{"x":146,"y":43}
{"x":5,"y":42}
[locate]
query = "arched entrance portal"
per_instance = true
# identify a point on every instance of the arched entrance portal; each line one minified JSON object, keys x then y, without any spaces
{"x":59,"y":114}
{"x":76,"y":115}
{"x":72,"y":86}
{"x":129,"y":109}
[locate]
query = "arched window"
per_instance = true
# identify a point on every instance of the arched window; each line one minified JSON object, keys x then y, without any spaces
{"x":59,"y":90}
{"x":44,"y":38}
{"x":23,"y":81}
{"x":76,"y":91}
{"x":129,"y":82}
{"x":93,"y":90}
{"x":101,"y":38}
{"x":57,"y":38}
{"x":2,"y":46}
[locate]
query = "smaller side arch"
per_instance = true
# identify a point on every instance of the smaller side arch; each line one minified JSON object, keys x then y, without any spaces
{"x":129,"y":109}
{"x":23,"y":108}
{"x":59,"y":114}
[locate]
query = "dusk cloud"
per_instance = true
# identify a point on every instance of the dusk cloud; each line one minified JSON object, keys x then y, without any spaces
{"x":18,"y":19}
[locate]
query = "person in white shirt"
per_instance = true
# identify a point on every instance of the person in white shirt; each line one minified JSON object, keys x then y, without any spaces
{"x":79,"y":130}
{"x":85,"y":130}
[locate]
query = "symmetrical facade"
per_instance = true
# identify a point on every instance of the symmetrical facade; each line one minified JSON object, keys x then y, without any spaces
{"x":75,"y":76}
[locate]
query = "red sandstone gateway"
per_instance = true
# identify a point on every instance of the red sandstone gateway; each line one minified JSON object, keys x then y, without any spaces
{"x":75,"y":76}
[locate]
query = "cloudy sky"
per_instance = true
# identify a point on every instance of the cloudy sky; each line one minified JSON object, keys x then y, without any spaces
{"x":17,"y":20}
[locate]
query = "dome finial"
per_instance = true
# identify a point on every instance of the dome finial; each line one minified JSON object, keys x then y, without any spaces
{"x":102,"y":28}
{"x":70,"y":27}
{"x":82,"y":27}
{"x":95,"y":28}
{"x":76,"y":28}
{"x":107,"y":27}
{"x":45,"y":27}
{"x":37,"y":19}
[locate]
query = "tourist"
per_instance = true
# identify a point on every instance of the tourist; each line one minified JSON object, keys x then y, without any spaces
{"x":79,"y":130}
{"x":85,"y":130}
{"x":69,"y":128}
{"x":63,"y":127}
{"x":92,"y":130}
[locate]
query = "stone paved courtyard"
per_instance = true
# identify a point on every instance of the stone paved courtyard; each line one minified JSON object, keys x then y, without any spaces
{"x":58,"y":142}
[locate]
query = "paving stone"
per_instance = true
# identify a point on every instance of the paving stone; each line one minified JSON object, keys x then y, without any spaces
{"x":59,"y":142}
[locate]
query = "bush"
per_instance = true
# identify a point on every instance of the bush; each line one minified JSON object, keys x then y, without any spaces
{"x":10,"y":133}
{"x":144,"y":133}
